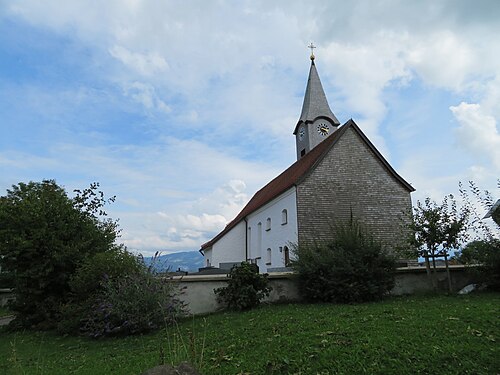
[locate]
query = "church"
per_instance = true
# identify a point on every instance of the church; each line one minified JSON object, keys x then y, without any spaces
{"x":338,"y":175}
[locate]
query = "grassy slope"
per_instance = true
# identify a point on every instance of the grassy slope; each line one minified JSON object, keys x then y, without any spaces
{"x":427,"y":335}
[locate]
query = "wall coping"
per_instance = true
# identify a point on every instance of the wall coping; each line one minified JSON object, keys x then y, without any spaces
{"x":290,"y":274}
{"x":455,"y":267}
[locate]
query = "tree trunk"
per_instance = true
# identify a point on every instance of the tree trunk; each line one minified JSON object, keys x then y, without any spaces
{"x":447,"y":271}
{"x":428,"y":268}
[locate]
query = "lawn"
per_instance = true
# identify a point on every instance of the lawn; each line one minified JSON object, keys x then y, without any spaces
{"x":426,"y":335}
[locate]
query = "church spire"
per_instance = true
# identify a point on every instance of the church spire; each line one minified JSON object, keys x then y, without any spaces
{"x":315,"y":103}
{"x":317,"y":121}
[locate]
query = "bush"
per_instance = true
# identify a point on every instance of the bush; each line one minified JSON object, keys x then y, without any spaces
{"x":133,"y":304}
{"x":88,"y":283}
{"x":485,"y":256}
{"x":7,"y":280}
{"x":89,"y":277}
{"x":245,"y":288}
{"x":351,"y":268}
{"x":114,"y":293}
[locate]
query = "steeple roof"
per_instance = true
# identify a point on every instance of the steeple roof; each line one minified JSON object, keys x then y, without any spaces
{"x":315,"y":104}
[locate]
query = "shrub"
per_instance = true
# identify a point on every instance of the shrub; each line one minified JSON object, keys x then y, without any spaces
{"x":485,"y":256}
{"x":114,"y":293}
{"x":351,"y":268}
{"x":87,"y":284}
{"x":245,"y":288}
{"x":7,"y":280}
{"x":89,"y":277}
{"x":133,"y":304}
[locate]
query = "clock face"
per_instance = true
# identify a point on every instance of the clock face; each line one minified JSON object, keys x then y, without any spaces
{"x":302,"y":133}
{"x":323,"y":129}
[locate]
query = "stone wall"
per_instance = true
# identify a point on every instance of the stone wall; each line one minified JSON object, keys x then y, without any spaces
{"x":198,"y":291}
{"x":351,"y":179}
{"x":5,"y":296}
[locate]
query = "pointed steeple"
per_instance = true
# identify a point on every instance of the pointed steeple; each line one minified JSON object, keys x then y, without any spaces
{"x":317,"y":121}
{"x":315,"y":103}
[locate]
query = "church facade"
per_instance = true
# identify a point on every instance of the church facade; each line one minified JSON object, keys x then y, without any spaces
{"x":338,"y":175}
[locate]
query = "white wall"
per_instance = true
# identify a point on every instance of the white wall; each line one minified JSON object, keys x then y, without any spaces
{"x":230,"y":248}
{"x":208,"y":260}
{"x":278,"y":236}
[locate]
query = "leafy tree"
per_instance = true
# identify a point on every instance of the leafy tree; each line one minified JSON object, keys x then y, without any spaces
{"x":483,"y":254}
{"x":473,"y":197}
{"x":352,"y":267}
{"x":245,"y":288}
{"x":44,"y":237}
{"x":437,"y":229}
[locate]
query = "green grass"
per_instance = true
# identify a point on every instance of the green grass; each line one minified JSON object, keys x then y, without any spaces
{"x":425,"y":335}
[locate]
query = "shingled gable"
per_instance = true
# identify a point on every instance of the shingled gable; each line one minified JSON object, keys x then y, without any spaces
{"x":297,"y":172}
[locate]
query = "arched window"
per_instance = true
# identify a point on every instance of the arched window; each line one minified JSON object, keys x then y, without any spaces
{"x":259,"y":239}
{"x":249,"y":238}
{"x":286,"y":256}
{"x":268,"y":257}
{"x":268,"y":223}
{"x":284,"y":217}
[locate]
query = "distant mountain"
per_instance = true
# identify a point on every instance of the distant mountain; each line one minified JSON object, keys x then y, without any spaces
{"x":188,"y":261}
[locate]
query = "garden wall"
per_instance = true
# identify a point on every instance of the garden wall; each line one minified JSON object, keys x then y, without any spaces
{"x":5,"y":296}
{"x":198,"y":290}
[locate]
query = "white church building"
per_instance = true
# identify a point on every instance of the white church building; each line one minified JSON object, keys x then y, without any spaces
{"x":338,"y":174}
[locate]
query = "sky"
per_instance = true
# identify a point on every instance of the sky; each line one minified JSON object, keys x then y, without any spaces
{"x":184,"y":109}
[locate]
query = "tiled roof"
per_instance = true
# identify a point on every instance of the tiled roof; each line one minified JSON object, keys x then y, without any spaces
{"x":296,"y":172}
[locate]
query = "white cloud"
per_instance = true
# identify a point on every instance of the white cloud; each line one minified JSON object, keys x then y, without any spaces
{"x":188,"y":224}
{"x":146,"y":95}
{"x":146,"y":64}
{"x":478,"y":132}
{"x":443,"y":59}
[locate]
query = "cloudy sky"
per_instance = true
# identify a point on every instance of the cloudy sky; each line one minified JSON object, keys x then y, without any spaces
{"x":183,"y":109}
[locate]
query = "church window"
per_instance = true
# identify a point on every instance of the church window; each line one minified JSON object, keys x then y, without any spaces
{"x":284,"y":217}
{"x":268,"y":224}
{"x":249,"y":238}
{"x":286,"y":256}
{"x":268,"y":258}
{"x":259,"y":238}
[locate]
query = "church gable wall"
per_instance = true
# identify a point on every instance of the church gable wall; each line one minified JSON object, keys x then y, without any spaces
{"x":350,"y":178}
{"x":230,"y":248}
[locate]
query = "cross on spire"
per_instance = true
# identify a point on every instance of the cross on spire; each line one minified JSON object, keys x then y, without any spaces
{"x":312,"y":46}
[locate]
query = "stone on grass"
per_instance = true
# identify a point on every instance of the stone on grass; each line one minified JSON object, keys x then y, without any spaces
{"x":467,"y":289}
